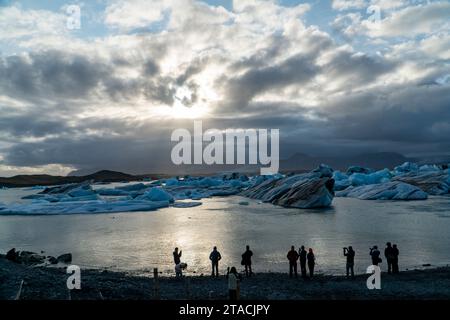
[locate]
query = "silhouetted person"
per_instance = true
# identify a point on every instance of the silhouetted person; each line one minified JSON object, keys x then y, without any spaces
{"x":389,"y":254}
{"x":247,"y":261}
{"x":375,"y":254}
{"x":350,"y":254}
{"x":311,"y":262}
{"x":302,"y":253}
{"x":215,"y":258}
{"x":233,"y":283}
{"x":396,"y":253}
{"x":179,"y":269}
{"x":292,"y":257}
{"x":177,"y":256}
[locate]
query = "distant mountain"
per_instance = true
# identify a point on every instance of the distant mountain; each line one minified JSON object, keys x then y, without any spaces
{"x":84,"y":172}
{"x":47,"y":180}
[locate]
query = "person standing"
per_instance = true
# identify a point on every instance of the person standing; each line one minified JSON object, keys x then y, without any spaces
{"x":311,"y":262}
{"x":292,"y":257}
{"x":389,"y":254}
{"x":247,"y":261}
{"x":177,"y":256}
{"x":215,"y":258}
{"x":395,"y":253}
{"x":233,"y":283}
{"x":302,"y":254}
{"x":375,"y":254}
{"x":349,"y":267}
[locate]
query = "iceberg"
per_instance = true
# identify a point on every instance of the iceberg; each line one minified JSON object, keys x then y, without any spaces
{"x":112,"y":192}
{"x":307,"y":190}
{"x":132,"y":187}
{"x":156,"y":194}
{"x":429,"y":167}
{"x":341,"y":181}
{"x":359,"y":179}
{"x":65,"y":188}
{"x":434,"y":183}
{"x":82,"y":191}
{"x":171,"y":182}
{"x":405,"y":168}
{"x":384,"y":191}
{"x":190,"y":204}
{"x":357,"y":169}
{"x":86,"y":207}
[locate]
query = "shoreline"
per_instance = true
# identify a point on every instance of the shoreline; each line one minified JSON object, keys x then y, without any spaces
{"x":43,"y":283}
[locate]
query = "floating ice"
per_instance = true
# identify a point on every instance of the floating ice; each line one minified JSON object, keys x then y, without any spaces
{"x":434,"y":183}
{"x":112,"y":192}
{"x":308,"y":190}
{"x":359,"y":179}
{"x":357,"y":169}
{"x":156,"y":194}
{"x":78,"y":207}
{"x":384,"y":191}
{"x":429,"y":167}
{"x":132,"y":187}
{"x":406,"y":167}
{"x":190,"y":204}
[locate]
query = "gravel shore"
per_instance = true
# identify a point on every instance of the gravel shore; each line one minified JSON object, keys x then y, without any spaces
{"x":43,"y":283}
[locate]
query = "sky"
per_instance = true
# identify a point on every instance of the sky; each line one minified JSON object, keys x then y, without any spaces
{"x":336,"y":77}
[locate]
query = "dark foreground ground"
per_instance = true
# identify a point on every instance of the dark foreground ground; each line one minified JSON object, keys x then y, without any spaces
{"x":50,"y":283}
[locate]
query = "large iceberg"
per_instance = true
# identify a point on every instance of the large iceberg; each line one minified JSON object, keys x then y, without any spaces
{"x":308,"y":190}
{"x":384,"y":191}
{"x":77,"y":207}
{"x":432,"y":182}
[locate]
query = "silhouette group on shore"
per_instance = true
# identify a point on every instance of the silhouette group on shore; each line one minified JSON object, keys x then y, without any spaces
{"x":306,"y":259}
{"x":391,"y":253}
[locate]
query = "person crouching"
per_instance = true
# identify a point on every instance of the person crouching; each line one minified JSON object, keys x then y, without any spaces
{"x":179,"y":269}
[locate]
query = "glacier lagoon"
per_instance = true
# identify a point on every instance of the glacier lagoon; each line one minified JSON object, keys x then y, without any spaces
{"x":139,"y":241}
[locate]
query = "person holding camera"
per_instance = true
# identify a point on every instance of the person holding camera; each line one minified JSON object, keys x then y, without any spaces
{"x":349,"y":267}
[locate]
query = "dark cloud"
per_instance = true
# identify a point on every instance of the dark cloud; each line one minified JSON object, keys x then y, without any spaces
{"x":57,"y":86}
{"x":28,"y":125}
{"x":50,"y":74}
{"x":295,"y":70}
{"x":354,"y":70}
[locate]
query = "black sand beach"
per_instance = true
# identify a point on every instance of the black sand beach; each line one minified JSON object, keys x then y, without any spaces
{"x":43,"y":283}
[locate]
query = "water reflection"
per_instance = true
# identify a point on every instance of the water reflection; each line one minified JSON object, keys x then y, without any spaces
{"x":141,"y":241}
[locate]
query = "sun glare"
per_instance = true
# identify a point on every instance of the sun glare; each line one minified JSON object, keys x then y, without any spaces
{"x":183,"y":107}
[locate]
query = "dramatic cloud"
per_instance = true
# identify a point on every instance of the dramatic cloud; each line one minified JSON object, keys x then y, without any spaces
{"x":109,"y":94}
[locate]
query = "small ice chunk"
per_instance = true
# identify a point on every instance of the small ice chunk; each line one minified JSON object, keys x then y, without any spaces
{"x":190,"y":204}
{"x":156,"y":194}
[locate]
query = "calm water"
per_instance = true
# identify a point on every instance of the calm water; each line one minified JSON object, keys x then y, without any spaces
{"x":142,"y":240}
